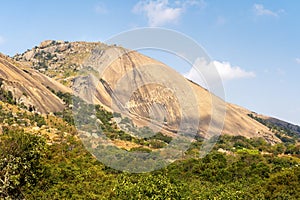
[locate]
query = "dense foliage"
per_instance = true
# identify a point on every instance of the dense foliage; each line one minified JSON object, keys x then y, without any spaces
{"x":65,"y":170}
{"x":237,"y":167}
{"x":20,"y":167}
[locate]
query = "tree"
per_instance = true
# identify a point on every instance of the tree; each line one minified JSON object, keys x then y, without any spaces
{"x":20,"y":168}
{"x":147,"y":186}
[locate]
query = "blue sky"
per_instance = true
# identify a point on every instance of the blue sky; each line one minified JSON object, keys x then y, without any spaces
{"x":254,"y":44}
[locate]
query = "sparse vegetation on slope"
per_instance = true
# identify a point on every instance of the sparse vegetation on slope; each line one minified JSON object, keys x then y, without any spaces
{"x":286,"y":135}
{"x":60,"y":60}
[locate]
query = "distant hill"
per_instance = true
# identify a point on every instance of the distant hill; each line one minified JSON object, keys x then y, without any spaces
{"x":283,"y":124}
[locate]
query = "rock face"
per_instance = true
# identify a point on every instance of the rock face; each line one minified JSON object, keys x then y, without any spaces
{"x":155,"y":89}
{"x":30,"y":87}
{"x":147,"y":90}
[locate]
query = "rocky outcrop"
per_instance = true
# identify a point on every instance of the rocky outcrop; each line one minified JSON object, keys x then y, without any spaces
{"x":157,"y":92}
{"x":29,"y":88}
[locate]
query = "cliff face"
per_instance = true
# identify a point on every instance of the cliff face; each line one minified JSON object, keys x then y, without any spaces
{"x":143,"y":88}
{"x":29,"y":87}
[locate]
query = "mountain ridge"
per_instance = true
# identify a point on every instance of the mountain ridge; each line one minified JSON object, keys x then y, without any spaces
{"x":65,"y":61}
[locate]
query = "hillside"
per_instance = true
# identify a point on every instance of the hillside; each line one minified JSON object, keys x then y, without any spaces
{"x":64,"y":61}
{"x":283,"y":124}
{"x":29,"y":87}
{"x":42,"y":157}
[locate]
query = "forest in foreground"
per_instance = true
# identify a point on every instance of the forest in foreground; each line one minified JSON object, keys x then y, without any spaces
{"x":237,"y":167}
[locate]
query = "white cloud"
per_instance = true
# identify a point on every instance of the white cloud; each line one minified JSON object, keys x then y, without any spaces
{"x":260,"y":10}
{"x":158,"y":12}
{"x":228,"y":72}
{"x":161,"y":12}
{"x":205,"y":73}
{"x":298,"y":60}
{"x":100,"y":8}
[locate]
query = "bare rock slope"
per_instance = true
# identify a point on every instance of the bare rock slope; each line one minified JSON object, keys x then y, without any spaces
{"x":65,"y":62}
{"x":29,"y":87}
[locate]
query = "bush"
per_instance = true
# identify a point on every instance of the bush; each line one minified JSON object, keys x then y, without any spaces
{"x":20,"y":167}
